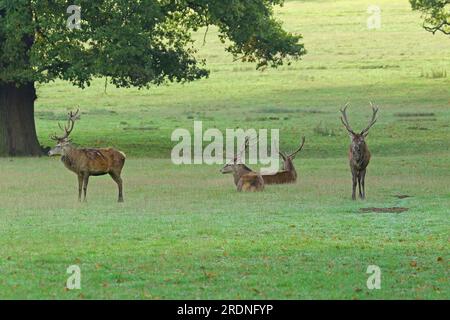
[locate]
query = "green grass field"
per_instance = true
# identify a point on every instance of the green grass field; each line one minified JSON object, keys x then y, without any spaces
{"x":184,"y":232}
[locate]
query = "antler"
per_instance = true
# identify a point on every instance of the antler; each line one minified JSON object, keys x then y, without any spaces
{"x":69,"y":127}
{"x":282,"y":155}
{"x":345,"y":120}
{"x":374,"y":118}
{"x":249,"y":142}
{"x":242,"y":150}
{"x":299,"y":149}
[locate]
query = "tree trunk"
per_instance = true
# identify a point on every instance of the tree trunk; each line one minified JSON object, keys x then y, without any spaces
{"x":17,"y":129}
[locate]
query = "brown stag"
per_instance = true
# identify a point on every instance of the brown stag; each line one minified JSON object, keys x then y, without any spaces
{"x":245,"y":178}
{"x":87,"y":162}
{"x":288,"y":174}
{"x":359,"y":154}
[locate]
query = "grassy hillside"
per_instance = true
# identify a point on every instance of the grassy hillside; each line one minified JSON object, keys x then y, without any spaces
{"x":184,"y":232}
{"x":346,"y":62}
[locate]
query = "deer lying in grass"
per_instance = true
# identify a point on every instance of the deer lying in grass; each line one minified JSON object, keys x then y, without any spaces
{"x":88,"y":162}
{"x":359,"y":154}
{"x":245,"y":178}
{"x":288,"y":174}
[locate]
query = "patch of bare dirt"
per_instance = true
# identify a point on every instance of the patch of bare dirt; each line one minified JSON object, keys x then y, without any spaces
{"x":402,"y":196}
{"x":384,"y":210}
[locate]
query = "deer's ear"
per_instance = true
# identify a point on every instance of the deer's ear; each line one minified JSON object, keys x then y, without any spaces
{"x":365,"y":134}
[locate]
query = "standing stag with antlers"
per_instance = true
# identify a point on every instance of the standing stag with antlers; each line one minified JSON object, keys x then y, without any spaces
{"x":359,"y":154}
{"x":87,"y":162}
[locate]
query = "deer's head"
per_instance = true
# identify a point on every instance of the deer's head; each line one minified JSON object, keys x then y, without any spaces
{"x":358,"y":139}
{"x":230,"y":167}
{"x":289,"y":158}
{"x":62,"y":142}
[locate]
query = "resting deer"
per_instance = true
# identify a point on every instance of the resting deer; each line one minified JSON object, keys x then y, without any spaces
{"x":359,"y":154}
{"x":288,"y":174}
{"x":245,"y":178}
{"x":87,"y":162}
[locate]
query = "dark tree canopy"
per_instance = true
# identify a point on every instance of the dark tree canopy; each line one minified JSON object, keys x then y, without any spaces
{"x":130,"y":42}
{"x":436,"y":14}
{"x":133,"y":43}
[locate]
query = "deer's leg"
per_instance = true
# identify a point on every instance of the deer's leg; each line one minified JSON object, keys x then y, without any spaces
{"x":359,"y":184}
{"x":354,"y":184}
{"x":85,"y":184}
{"x":118,"y":180}
{"x":80,"y":186}
{"x":363,"y":181}
{"x":240,"y":185}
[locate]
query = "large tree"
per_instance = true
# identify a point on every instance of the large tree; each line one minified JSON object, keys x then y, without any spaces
{"x":131,"y":42}
{"x":436,"y":14}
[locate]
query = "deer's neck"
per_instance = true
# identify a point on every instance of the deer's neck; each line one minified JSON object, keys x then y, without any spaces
{"x":289,"y":166}
{"x":239,"y":171}
{"x":69,"y":156}
{"x":68,"y":150}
